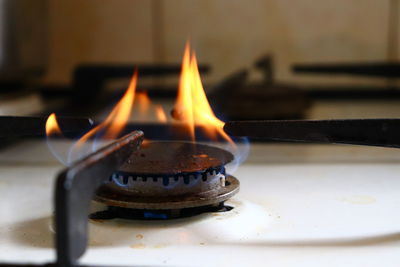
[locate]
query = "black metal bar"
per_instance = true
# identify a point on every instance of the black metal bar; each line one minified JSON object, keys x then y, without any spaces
{"x":370,"y":132}
{"x":373,"y":69}
{"x":266,"y":65}
{"x":90,"y":79}
{"x":352,"y":93}
{"x":25,"y":265}
{"x":219,"y":92}
{"x":11,"y":126}
{"x":55,"y":265}
{"x":169,"y":131}
{"x":229,"y":84}
{"x":126,"y":70}
{"x":74,"y":190}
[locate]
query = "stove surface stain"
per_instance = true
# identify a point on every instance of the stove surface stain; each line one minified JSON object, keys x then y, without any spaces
{"x":359,"y":199}
{"x":209,"y":228}
{"x":138,"y":246}
{"x":139,"y":236}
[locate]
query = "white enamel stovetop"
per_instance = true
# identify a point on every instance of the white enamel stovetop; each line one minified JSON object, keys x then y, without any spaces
{"x":299,"y":205}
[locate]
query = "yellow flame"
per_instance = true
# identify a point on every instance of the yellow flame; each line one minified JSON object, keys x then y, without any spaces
{"x":143,"y":102}
{"x":52,"y":127}
{"x":160,"y":113}
{"x":192,"y":107}
{"x":183,"y":107}
{"x":117,"y":119}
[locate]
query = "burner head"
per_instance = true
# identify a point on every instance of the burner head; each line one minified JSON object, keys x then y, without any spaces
{"x":174,"y":158}
{"x":171,"y":175}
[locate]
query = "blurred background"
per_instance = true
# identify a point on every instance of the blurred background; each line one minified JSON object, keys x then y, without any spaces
{"x":259,"y":59}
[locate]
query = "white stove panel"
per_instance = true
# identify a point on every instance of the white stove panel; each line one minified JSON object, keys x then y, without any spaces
{"x":298,"y":212}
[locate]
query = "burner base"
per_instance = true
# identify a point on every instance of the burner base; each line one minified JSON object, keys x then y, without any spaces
{"x":212,"y":197}
{"x":142,"y":214}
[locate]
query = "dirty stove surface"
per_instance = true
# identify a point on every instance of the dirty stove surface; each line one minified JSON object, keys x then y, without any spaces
{"x":299,"y":205}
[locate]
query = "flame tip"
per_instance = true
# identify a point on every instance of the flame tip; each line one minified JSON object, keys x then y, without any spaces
{"x":52,"y":127}
{"x":192,"y":106}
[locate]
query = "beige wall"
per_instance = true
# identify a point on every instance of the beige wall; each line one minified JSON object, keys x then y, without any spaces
{"x":99,"y":31}
{"x":229,"y":34}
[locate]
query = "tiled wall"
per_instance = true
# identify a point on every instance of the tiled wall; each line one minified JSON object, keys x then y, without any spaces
{"x":229,"y":34}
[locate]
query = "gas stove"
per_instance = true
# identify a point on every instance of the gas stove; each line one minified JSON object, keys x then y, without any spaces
{"x":299,"y":205}
{"x":163,"y":194}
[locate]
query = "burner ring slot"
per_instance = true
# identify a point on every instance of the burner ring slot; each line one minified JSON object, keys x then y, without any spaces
{"x":167,"y":185}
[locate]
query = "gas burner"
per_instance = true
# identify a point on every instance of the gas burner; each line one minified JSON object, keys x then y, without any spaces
{"x":169,"y":180}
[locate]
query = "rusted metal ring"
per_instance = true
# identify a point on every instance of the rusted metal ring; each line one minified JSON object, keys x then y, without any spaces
{"x":111,"y":198}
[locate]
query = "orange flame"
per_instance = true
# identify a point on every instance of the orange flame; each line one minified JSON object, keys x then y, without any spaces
{"x":145,"y":107}
{"x":52,"y":127}
{"x":143,"y":101}
{"x":160,"y":113}
{"x":111,"y":126}
{"x":117,"y":119}
{"x":192,"y":107}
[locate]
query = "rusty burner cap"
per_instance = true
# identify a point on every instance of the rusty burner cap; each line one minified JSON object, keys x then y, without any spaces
{"x":171,"y":158}
{"x":171,"y":176}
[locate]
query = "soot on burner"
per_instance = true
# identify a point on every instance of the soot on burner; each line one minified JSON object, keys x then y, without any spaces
{"x":169,"y":179}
